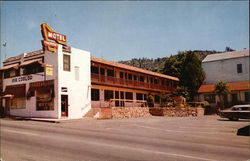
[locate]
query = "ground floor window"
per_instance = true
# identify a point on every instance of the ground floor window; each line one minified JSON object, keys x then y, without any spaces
{"x":44,"y":99}
{"x":157,"y":99}
{"x":95,"y":95}
{"x":247,"y":97}
{"x":18,"y":103}
{"x":108,"y":94}
{"x":129,"y":95}
{"x":234,"y":98}
{"x":209,"y":98}
{"x":139,"y":96}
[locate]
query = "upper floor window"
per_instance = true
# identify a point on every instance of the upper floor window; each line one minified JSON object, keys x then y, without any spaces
{"x":94,"y":70}
{"x":110,"y":73}
{"x":142,"y":78}
{"x":32,"y":69}
{"x":11,"y":73}
{"x":239,"y":68}
{"x":121,"y":74}
{"x":130,"y":76}
{"x":77,"y":73}
{"x":66,"y":62}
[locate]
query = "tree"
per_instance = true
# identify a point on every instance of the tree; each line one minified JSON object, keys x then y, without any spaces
{"x":227,"y":49}
{"x":220,"y":89}
{"x":187,"y":67}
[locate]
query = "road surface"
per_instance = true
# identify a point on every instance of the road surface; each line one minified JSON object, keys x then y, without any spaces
{"x":148,"y":139}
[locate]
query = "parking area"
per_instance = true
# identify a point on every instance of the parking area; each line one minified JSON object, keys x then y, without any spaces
{"x":151,"y":138}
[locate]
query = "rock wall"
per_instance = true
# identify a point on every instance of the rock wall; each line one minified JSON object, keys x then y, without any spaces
{"x":176,"y":112}
{"x":129,"y":112}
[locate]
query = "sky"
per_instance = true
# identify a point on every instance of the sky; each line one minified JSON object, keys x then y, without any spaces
{"x":122,"y":30}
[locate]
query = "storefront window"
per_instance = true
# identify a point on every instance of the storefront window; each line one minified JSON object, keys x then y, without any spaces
{"x":18,"y":103}
{"x":44,"y":99}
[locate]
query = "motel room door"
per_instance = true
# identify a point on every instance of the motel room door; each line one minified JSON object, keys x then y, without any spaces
{"x":64,"y":105}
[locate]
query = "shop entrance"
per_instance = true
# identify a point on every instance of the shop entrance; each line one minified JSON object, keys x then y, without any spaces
{"x":7,"y":105}
{"x":64,"y":105}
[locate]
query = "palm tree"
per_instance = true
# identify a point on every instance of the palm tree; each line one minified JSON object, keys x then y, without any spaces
{"x":220,"y":89}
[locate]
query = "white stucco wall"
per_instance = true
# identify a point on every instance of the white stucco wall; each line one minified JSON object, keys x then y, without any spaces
{"x":226,"y":70}
{"x":78,"y":91}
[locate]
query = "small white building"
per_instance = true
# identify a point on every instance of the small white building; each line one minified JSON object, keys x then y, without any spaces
{"x":28,"y":92}
{"x":231,"y":67}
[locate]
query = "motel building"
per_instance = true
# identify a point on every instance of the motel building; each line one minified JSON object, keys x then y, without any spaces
{"x":63,"y":82}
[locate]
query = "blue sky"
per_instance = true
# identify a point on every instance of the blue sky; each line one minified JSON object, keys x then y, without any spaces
{"x":123,"y":30}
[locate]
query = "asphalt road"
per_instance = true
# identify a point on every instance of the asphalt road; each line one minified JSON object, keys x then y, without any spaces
{"x":150,"y":139}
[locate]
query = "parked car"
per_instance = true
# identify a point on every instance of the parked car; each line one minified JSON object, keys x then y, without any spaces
{"x":236,"y":112}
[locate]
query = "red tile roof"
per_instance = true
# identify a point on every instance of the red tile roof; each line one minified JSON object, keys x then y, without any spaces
{"x":233,"y":86}
{"x":128,"y":67}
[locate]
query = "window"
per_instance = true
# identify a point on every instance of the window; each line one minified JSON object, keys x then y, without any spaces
{"x":108,"y":94}
{"x":163,"y":82}
{"x":130,"y":76}
{"x":139,"y":96}
{"x":151,"y":80}
{"x":135,"y":77}
{"x":234,"y":98}
{"x":77,"y":75}
{"x":18,"y":103}
{"x":209,"y":98}
{"x":102,"y":71}
{"x":156,"y":81}
{"x":94,"y":70}
{"x":129,"y":95}
{"x":95,"y":94}
{"x":121,"y":75}
{"x":142,"y":78}
{"x":157,"y":99}
{"x":247,"y":97}
{"x":239,"y":68}
{"x":32,"y":69}
{"x":66,"y":62}
{"x":44,"y":99}
{"x":110,"y":73}
{"x":11,"y":73}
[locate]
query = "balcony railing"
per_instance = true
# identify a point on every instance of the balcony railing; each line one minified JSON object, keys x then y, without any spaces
{"x":113,"y":81}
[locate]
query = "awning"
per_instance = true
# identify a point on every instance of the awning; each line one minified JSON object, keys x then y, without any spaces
{"x":46,"y":85}
{"x":16,"y":90}
{"x":10,"y":66}
{"x":233,"y":86}
{"x":40,"y":61}
{"x":8,"y":96}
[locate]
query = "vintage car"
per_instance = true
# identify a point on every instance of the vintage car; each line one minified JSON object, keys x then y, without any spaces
{"x":236,"y":112}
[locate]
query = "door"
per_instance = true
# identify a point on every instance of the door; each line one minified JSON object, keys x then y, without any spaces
{"x":116,"y":97}
{"x":7,"y":105}
{"x":64,"y":105}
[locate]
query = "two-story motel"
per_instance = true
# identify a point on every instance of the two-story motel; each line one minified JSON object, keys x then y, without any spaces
{"x":69,"y":83}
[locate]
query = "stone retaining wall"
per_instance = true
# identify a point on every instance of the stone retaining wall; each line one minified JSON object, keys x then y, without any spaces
{"x":129,"y":112}
{"x":176,"y":112}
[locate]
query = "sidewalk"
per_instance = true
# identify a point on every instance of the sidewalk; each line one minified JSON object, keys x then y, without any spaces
{"x":52,"y":120}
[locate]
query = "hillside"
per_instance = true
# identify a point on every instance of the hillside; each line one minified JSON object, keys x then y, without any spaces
{"x":158,"y":63}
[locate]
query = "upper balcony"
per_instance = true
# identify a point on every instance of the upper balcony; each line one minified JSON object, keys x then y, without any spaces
{"x":126,"y":83}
